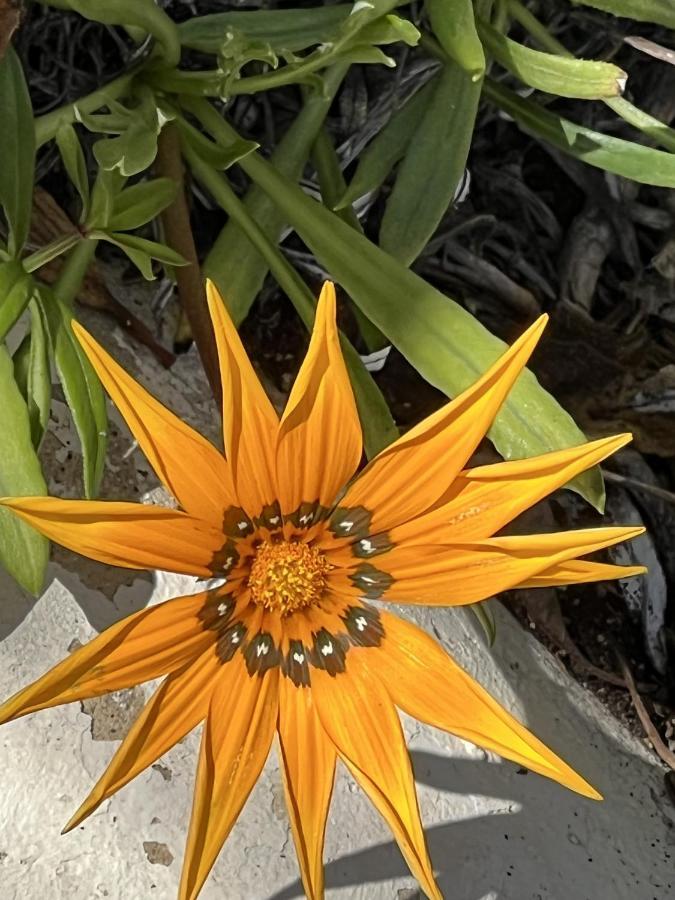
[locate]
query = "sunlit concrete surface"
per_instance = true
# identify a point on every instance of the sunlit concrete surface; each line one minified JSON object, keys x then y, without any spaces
{"x":494,"y":832}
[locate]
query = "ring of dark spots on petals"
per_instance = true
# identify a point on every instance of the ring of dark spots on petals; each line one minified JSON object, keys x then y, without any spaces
{"x":295,"y":664}
{"x":372,"y":582}
{"x":372,"y":545}
{"x":270,"y":517}
{"x":236,"y":524}
{"x":230,"y":641}
{"x":307,"y":514}
{"x":225,"y":559}
{"x":329,"y":652}
{"x":353,"y":522}
{"x":261,"y":654}
{"x":364,"y":626}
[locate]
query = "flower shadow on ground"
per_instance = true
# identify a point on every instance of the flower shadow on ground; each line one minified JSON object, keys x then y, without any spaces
{"x":522,"y":837}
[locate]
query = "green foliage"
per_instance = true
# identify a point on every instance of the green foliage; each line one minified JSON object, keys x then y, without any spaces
{"x":416,"y":158}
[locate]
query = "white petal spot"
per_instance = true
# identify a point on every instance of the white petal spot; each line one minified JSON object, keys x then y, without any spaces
{"x":242,"y":526}
{"x":235,"y":638}
{"x":222,"y":609}
{"x":327,"y":648}
{"x":299,"y":657}
{"x":262,"y":648}
{"x":306,"y":518}
{"x":366,"y":546}
{"x":229,"y":561}
{"x":361,"y":622}
{"x":368,"y":579}
{"x":274,"y":520}
{"x":346,"y":526}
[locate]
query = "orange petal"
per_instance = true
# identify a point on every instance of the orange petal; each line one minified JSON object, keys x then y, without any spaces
{"x":359,"y":717}
{"x":309,"y":767}
{"x":146,"y":645}
{"x":483,"y":500}
{"x":425,"y":682}
{"x":186,"y":463}
{"x":249,"y":420}
{"x":237,"y":737}
{"x":130,"y":535}
{"x":581,"y":571}
{"x":179,"y":705}
{"x":319,"y":444}
{"x":409,"y":476}
{"x":456,"y":574}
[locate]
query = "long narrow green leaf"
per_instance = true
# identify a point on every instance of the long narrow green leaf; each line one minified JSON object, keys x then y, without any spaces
{"x":75,"y":164}
{"x":23,"y":552}
{"x":81,"y":386}
{"x":563,"y":76}
{"x":661,"y":12}
{"x":433,"y":165}
{"x":16,"y":287}
{"x":17,"y":150}
{"x":33,"y":375}
{"x":388,"y":146}
{"x":287,"y":30}
{"x":378,"y":426}
{"x":440,"y":339}
{"x":643,"y":164}
{"x":141,"y":203}
{"x":452,"y":21}
{"x":233,"y":263}
{"x":655,"y":129}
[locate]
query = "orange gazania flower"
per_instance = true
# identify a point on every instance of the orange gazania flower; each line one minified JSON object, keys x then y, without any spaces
{"x":290,"y":643}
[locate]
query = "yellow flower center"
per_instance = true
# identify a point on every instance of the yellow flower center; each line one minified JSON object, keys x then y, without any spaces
{"x":287,"y":576}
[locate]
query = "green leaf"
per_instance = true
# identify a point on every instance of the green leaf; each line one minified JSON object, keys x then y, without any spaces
{"x":439,"y":338}
{"x":433,"y":165}
{"x":104,"y":195}
{"x":233,"y":263}
{"x":285,"y":30}
{"x":33,"y":375}
{"x":216,"y":156}
{"x":661,"y":12}
{"x":16,"y":287}
{"x":643,"y":164}
{"x":559,"y":75}
{"x":131,"y":152}
{"x":141,"y":203}
{"x":17,"y":150}
{"x":141,"y":251}
{"x":452,"y":21}
{"x":377,"y":424}
{"x":75,"y":164}
{"x":23,"y":552}
{"x":388,"y":146}
{"x":81,"y":386}
{"x":486,"y":620}
{"x":145,"y":15}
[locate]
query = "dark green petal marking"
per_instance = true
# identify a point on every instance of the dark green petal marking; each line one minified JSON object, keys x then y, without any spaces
{"x":231,"y":640}
{"x":236,"y":524}
{"x":372,"y":545}
{"x":261,"y":654}
{"x":364,"y":626}
{"x":296,"y":664}
{"x":372,"y":582}
{"x":351,"y":522}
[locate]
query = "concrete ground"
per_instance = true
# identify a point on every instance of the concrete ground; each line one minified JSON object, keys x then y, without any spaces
{"x":495,"y":833}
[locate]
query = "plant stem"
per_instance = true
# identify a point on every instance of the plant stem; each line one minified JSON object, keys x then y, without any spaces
{"x":46,"y":126}
{"x":178,"y":232}
{"x":46,"y":254}
{"x":71,"y":276}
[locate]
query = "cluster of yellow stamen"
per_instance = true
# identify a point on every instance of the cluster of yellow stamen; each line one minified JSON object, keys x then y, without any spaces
{"x":287,"y":576}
